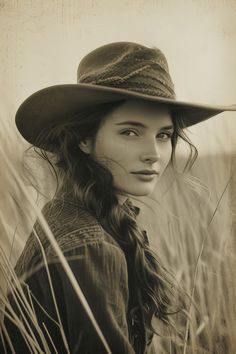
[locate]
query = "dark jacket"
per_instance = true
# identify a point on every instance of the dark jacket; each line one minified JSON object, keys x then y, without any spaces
{"x":100,"y":266}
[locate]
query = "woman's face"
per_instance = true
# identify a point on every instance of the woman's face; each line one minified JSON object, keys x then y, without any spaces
{"x":134,"y":143}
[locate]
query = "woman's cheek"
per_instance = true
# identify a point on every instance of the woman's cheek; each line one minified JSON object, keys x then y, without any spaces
{"x":166,"y":155}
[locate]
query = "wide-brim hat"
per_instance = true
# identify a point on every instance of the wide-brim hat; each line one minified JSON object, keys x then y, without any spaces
{"x":113,"y":72}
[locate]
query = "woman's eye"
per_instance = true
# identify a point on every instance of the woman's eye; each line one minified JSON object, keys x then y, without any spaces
{"x":129,"y":132}
{"x":164,"y":135}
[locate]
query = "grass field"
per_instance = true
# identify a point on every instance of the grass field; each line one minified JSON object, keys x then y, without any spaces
{"x":191,"y":226}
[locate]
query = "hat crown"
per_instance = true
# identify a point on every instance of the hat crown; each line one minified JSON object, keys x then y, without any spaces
{"x":129,"y":66}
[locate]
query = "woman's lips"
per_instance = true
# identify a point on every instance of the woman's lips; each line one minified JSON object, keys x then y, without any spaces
{"x":145,"y":172}
{"x":146,"y":176}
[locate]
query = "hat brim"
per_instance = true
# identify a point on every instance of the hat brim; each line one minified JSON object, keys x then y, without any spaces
{"x":58,"y":103}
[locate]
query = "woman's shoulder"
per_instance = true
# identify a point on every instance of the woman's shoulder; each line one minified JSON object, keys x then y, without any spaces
{"x":66,"y":216}
{"x":71,"y":224}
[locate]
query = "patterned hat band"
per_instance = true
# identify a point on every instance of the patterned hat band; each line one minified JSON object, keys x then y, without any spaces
{"x":141,"y":70}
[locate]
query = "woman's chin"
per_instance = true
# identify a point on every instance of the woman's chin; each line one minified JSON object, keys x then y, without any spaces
{"x":140,"y":192}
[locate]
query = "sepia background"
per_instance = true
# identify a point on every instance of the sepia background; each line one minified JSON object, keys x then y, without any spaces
{"x":190,"y":222}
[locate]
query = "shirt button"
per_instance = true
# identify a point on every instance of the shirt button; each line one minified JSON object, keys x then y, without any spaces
{"x":136,"y":336}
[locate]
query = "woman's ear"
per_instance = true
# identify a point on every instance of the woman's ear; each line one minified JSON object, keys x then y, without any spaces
{"x":86,"y":145}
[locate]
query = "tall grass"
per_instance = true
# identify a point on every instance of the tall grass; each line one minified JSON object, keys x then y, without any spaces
{"x":192,"y":229}
{"x":18,"y":192}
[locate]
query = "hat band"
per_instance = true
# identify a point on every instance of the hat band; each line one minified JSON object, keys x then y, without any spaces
{"x":148,"y":76}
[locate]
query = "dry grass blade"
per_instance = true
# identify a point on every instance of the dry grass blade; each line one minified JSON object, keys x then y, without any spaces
{"x":198,"y":260}
{"x":57,"y":250}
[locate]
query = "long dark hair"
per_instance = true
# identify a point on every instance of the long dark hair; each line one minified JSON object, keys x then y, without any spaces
{"x":81,"y":177}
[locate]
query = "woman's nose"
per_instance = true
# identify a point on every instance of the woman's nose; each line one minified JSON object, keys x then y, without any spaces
{"x":151,"y":154}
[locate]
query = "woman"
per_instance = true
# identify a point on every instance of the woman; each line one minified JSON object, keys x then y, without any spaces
{"x":108,"y":137}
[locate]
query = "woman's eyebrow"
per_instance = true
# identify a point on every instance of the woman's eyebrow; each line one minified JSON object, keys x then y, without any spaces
{"x":136,"y":124}
{"x":168,"y":127}
{"x":141,"y":125}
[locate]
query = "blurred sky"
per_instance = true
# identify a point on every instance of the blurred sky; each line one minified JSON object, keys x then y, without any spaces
{"x":43,"y":41}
